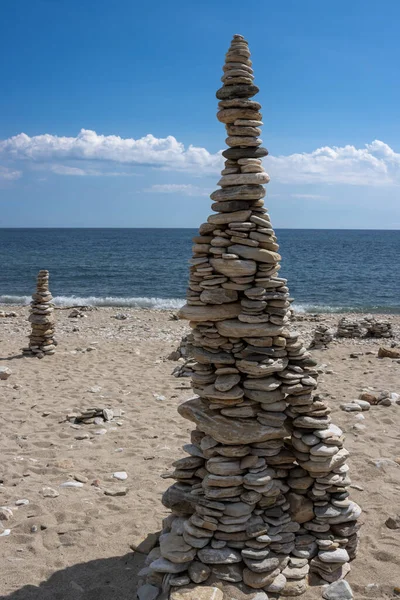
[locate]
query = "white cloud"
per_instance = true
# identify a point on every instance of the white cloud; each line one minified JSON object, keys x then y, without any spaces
{"x":78,"y":172}
{"x":8,"y":174}
{"x":375,"y":164}
{"x":178,"y":188}
{"x":88,"y":145}
{"x":64,"y":170}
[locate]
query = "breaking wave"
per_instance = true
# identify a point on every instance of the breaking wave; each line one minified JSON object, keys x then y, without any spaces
{"x":158,"y":303}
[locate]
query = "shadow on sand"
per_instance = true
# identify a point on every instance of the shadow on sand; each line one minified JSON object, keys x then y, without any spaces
{"x":14,"y":356}
{"x":103,"y":579}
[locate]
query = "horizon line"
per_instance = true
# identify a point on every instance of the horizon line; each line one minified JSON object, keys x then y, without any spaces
{"x":169,"y":228}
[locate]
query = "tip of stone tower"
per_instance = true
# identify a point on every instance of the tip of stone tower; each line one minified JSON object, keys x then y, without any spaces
{"x":238,"y":75}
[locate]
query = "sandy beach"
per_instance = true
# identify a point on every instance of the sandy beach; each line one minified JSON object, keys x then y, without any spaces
{"x":77,"y":542}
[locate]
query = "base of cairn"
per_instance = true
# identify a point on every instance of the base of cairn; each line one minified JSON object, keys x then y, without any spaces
{"x":41,"y":339}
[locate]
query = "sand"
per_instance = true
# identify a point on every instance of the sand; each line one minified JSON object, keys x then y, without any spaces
{"x":78,"y":545}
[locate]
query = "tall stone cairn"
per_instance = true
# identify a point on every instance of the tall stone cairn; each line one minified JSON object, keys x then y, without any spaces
{"x":262,"y":498}
{"x":41,"y":339}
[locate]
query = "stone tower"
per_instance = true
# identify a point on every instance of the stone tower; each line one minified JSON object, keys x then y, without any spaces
{"x":260,"y":501}
{"x":41,"y":339}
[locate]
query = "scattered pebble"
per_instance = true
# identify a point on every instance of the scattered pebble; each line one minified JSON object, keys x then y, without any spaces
{"x":121,"y":475}
{"x":5,"y":373}
{"x":116,"y":492}
{"x":355,"y":486}
{"x":5,"y":513}
{"x":339,"y":590}
{"x":5,"y":532}
{"x":71,"y":484}
{"x":80,"y":478}
{"x":21,"y":502}
{"x":48,"y":492}
{"x":393,"y":522}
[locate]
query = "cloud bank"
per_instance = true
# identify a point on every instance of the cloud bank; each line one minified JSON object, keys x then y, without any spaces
{"x":375,"y":164}
{"x":88,"y":145}
{"x":185,"y":189}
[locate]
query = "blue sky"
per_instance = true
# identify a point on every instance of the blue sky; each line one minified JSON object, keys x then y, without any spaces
{"x":107,"y":110}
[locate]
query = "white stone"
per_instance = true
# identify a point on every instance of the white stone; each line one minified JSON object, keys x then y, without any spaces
{"x":5,"y":373}
{"x":71,"y":484}
{"x":5,"y":532}
{"x":22,"y":502}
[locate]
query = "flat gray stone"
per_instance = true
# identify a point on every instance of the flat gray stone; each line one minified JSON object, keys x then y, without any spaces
{"x":215,"y":556}
{"x":162,"y":565}
{"x":226,"y":430}
{"x":339,"y":590}
{"x":211,"y":312}
{"x":148,"y":592}
{"x":339,"y":555}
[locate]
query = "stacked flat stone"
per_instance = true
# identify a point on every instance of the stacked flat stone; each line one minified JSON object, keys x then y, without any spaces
{"x":378,"y":329}
{"x":262,"y":493}
{"x":322,"y":337}
{"x":41,"y":339}
{"x":349,"y":328}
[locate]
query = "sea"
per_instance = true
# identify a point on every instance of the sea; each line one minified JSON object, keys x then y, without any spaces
{"x":327,"y":270}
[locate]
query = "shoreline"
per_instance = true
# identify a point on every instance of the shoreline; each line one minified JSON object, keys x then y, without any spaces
{"x":174,"y":304}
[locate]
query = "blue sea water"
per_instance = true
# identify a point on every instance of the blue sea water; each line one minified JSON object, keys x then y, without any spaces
{"x":327,"y":270}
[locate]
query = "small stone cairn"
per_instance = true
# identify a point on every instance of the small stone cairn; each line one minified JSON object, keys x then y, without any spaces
{"x":261,"y":497}
{"x":41,"y":340}
{"x":349,"y":328}
{"x":323,"y":336}
{"x":378,"y":329}
{"x":94,"y":414}
{"x":367,"y":327}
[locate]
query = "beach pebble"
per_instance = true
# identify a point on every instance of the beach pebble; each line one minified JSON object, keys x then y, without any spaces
{"x":363,"y":404}
{"x":95,"y":389}
{"x":121,"y":475}
{"x":350,"y":407}
{"x":385,"y":462}
{"x":339,"y":590}
{"x":22,"y":502}
{"x":71,"y":484}
{"x":108,"y":414}
{"x":5,"y":532}
{"x":391,"y":522}
{"x":5,"y":373}
{"x":197,"y":593}
{"x":5,"y":513}
{"x":147,"y":592}
{"x":48,"y":492}
{"x":116,"y":492}
{"x":100,"y":431}
{"x":160,"y":398}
